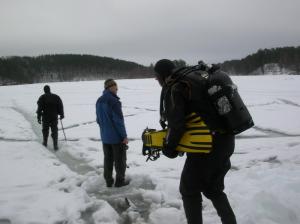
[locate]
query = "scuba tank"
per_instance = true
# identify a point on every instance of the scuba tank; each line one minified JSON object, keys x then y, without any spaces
{"x":224,"y":96}
{"x":225,"y":110}
{"x":219,"y":104}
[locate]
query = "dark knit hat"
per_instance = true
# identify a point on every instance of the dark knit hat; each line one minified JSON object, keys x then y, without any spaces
{"x":47,"y":89}
{"x":164,"y":67}
{"x":109,"y":83}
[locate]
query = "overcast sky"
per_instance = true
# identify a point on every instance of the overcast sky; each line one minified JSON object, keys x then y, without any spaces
{"x":145,"y":31}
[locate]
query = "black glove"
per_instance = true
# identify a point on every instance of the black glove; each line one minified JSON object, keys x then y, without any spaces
{"x":124,"y":146}
{"x":39,"y":120}
{"x":62,"y":117}
{"x":169,"y":152}
{"x":162,"y":124}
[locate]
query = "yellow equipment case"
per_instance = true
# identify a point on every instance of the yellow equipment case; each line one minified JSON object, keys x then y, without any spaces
{"x":197,"y":138}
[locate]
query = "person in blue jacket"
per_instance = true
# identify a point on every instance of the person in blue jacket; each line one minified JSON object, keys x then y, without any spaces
{"x":113,"y":134}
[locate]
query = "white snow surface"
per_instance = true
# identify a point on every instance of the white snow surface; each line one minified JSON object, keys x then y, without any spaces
{"x":40,"y":186}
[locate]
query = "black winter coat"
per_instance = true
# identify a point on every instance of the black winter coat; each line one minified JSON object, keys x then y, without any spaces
{"x":182,"y":96}
{"x":49,"y":107}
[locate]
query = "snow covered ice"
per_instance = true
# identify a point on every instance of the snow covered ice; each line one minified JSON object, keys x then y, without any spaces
{"x":40,"y":186}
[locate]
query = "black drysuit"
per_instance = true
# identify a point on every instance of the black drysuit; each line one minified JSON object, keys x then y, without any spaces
{"x":202,"y":173}
{"x":49,"y":107}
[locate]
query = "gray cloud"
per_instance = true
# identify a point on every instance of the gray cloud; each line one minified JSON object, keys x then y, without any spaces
{"x":145,"y":31}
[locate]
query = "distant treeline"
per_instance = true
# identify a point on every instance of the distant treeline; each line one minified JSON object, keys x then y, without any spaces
{"x":285,"y":59}
{"x":66,"y":67}
{"x":72,"y":67}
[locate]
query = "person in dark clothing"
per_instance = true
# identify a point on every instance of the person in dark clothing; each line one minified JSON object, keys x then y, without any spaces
{"x":113,"y":134}
{"x":202,"y":173}
{"x":49,"y":107}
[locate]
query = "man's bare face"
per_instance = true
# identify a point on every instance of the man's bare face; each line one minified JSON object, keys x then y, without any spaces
{"x":114,"y":89}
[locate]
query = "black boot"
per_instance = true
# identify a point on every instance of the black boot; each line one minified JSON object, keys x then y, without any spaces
{"x":54,"y":134}
{"x":109,"y":183}
{"x":193,"y":210}
{"x":55,"y":146}
{"x":224,"y":209}
{"x":45,"y":140}
{"x":121,"y":183}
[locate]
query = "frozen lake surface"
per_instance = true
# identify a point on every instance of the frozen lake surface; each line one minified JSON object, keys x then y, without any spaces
{"x":41,"y":186}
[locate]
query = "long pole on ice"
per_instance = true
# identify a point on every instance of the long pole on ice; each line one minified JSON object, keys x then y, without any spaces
{"x":62,"y":127}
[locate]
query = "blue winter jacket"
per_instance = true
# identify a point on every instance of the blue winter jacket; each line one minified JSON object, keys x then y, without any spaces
{"x":110,"y":118}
